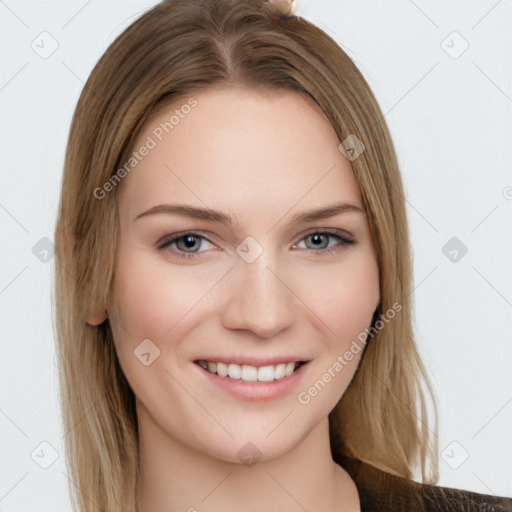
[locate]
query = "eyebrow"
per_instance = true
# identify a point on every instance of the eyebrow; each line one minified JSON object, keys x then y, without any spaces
{"x":211,"y":215}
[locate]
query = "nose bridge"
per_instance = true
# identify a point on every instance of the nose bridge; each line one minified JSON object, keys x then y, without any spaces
{"x":257,"y":299}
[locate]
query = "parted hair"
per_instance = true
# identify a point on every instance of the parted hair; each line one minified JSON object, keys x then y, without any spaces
{"x":176,"y":49}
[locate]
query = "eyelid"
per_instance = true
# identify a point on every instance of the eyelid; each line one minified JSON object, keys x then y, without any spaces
{"x":346,"y":239}
{"x":172,"y":237}
{"x":345,"y":235}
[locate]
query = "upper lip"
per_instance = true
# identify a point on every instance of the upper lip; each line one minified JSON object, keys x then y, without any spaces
{"x":252,"y":361}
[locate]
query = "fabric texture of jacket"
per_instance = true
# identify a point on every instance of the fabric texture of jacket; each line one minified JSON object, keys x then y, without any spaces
{"x":383,"y":492}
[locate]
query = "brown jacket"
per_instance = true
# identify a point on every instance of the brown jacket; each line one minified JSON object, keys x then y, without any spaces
{"x":383,"y":492}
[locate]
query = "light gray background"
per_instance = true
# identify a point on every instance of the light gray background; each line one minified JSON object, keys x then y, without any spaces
{"x":450,"y":116}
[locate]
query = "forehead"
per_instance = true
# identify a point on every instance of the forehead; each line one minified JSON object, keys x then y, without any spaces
{"x":239,"y":149}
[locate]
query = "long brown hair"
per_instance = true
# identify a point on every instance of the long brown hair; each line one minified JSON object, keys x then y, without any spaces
{"x":177,"y":48}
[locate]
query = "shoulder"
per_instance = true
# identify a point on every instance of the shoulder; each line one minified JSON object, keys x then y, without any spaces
{"x":380,"y":492}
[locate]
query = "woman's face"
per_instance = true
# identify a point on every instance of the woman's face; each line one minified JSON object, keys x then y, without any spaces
{"x":254,"y":284}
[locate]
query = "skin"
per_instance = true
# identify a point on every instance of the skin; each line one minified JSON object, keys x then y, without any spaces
{"x":261,"y":157}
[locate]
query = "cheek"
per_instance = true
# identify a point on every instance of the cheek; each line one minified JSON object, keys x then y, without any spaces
{"x":151,"y":299}
{"x":144,"y":310}
{"x":142,"y":301}
{"x":345,"y":299}
{"x":156,"y":302}
{"x":345,"y":296}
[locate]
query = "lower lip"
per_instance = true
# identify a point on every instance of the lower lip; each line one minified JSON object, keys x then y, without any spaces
{"x":256,"y":391}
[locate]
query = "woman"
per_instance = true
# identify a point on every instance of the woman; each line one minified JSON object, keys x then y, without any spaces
{"x":214,"y":354}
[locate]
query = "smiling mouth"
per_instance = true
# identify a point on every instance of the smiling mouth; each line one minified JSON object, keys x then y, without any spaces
{"x":248,"y":373}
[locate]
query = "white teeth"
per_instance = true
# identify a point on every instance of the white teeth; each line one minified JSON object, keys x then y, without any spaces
{"x":265,"y":373}
{"x":289,"y":369}
{"x":234,"y":371}
{"x":222,"y":370}
{"x":250,"y":373}
{"x":279,"y":370}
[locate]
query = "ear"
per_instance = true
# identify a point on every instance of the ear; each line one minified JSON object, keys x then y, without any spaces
{"x":96,"y":315}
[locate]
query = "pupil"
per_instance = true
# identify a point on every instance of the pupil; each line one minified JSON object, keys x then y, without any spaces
{"x":317,"y":238}
{"x":189,"y":241}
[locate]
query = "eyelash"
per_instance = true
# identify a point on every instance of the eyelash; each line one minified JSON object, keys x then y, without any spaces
{"x":344,"y":241}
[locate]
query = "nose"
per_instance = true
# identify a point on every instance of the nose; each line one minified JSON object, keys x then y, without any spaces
{"x":258,"y":298}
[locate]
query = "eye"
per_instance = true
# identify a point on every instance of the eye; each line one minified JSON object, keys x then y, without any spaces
{"x":187,"y":242}
{"x":320,"y":241}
